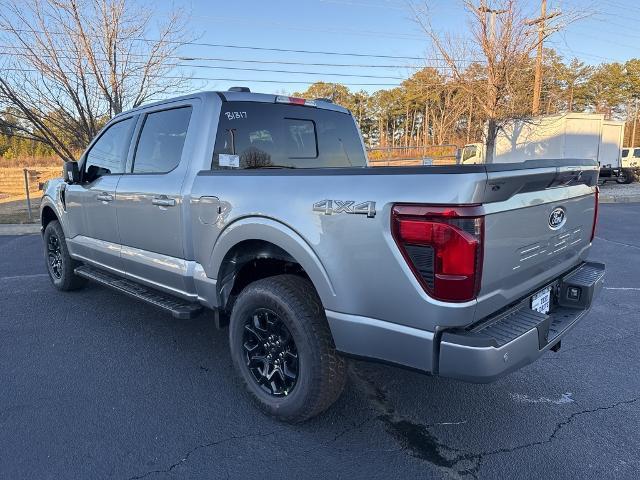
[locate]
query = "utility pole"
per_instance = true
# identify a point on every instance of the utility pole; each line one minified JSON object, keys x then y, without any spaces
{"x":633,"y":130}
{"x":492,"y":21}
{"x":541,"y":23}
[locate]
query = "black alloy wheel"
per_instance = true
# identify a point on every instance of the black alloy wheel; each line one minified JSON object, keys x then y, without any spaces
{"x":60,"y":265}
{"x":270,"y":352}
{"x":54,"y":256}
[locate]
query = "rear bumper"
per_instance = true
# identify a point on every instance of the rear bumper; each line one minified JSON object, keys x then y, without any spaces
{"x":517,"y":336}
{"x":497,"y":345}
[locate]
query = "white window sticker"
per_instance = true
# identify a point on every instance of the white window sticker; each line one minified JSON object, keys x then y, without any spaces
{"x":227,"y":160}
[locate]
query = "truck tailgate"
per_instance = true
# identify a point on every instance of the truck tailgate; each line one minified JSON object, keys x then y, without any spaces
{"x":541,"y":231}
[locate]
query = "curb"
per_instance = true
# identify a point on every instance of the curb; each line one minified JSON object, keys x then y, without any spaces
{"x":619,"y":199}
{"x":19,"y":229}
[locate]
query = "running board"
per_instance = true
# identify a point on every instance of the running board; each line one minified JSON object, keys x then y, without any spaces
{"x":180,"y":309}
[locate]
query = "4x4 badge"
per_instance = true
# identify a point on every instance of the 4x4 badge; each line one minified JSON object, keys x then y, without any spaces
{"x":330,"y":207}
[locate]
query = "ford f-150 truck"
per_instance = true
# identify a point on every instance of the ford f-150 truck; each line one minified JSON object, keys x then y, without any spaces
{"x":262,"y":209}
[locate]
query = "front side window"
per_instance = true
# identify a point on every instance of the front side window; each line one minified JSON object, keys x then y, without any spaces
{"x":109,"y":154}
{"x":161,"y":141}
{"x":263,"y":135}
{"x":636,"y":152}
{"x":625,"y":152}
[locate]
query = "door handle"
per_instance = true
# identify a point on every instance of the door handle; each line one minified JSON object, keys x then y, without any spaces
{"x":104,"y":197}
{"x":164,"y":201}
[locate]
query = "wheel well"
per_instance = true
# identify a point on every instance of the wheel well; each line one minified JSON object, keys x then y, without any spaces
{"x":249,"y":261}
{"x":48,"y":215}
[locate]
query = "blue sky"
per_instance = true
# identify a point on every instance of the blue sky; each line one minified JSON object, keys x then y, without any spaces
{"x":379,"y":27}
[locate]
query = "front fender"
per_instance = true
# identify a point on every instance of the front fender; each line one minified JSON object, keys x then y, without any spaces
{"x":272,"y":231}
{"x":51,"y":199}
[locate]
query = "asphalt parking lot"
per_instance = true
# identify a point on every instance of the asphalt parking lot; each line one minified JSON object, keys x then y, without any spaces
{"x":96,"y":385}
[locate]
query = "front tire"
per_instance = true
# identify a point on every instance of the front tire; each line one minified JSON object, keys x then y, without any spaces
{"x":282,"y":348}
{"x":60,"y":265}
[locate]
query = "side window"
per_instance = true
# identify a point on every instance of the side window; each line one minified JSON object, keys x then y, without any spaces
{"x":338,"y":141}
{"x":625,"y":152}
{"x":636,"y":152}
{"x":263,"y":135}
{"x":253,"y":137}
{"x":108,"y":155}
{"x":161,"y":141}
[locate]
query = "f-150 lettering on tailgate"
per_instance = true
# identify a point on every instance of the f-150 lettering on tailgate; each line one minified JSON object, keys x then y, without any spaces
{"x":551,"y":246}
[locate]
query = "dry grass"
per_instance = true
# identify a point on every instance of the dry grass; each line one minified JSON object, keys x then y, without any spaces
{"x":12,"y":180}
{"x":16,"y":211}
{"x":411,"y":156}
{"x":30,"y":162}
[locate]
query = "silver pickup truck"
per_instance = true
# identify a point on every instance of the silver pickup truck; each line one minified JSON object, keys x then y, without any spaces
{"x":262,"y":210}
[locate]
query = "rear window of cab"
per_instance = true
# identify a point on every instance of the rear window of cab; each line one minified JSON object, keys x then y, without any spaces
{"x":265,"y":135}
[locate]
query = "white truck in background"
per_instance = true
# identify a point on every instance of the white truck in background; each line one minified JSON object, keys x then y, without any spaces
{"x":573,"y":135}
{"x":631,"y":159}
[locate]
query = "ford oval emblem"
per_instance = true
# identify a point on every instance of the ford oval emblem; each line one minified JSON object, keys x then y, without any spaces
{"x":557,"y":219}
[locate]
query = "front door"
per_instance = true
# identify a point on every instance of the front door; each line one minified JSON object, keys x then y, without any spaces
{"x":149,"y":202}
{"x":90,"y":204}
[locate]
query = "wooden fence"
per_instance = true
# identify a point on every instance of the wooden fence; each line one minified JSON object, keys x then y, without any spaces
{"x":412,"y":156}
{"x":12,"y":180}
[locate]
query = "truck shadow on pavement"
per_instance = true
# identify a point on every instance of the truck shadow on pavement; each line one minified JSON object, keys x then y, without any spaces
{"x":453,"y":426}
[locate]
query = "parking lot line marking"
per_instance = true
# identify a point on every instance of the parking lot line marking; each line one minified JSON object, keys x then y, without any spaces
{"x":619,"y":243}
{"x":564,"y":398}
{"x":18,"y":277}
{"x":623,"y":288}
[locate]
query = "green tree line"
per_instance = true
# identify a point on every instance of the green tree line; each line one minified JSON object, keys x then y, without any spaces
{"x":429,"y":108}
{"x":18,"y":149}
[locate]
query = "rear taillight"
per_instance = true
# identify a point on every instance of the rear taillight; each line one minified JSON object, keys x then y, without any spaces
{"x":595,"y":214}
{"x":443,"y":247}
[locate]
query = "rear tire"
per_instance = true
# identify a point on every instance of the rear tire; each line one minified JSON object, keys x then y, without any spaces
{"x":283,"y":350}
{"x":626,"y":177}
{"x":60,"y":265}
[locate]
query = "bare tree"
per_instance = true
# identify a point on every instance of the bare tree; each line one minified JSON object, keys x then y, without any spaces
{"x":68,"y":65}
{"x":500,"y":39}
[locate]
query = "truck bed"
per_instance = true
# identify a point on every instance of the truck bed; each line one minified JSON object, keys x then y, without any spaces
{"x":358,"y":254}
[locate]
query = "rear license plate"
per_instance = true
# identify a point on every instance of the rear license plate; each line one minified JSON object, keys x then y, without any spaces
{"x":540,"y":302}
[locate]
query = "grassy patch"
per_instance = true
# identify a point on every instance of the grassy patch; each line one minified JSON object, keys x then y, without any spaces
{"x":16,"y":211}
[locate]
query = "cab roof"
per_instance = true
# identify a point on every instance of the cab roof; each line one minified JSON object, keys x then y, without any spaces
{"x":241,"y":96}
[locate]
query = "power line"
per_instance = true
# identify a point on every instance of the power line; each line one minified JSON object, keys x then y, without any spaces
{"x":306,"y":27}
{"x":189,"y":77}
{"x":386,"y":5}
{"x":213,"y":67}
{"x":248,"y":47}
{"x":619,"y":6}
{"x":186,"y":57}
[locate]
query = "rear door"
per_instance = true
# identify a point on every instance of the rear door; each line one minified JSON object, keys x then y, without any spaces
{"x":610,"y":143}
{"x":149,"y":199}
{"x":634,"y":161}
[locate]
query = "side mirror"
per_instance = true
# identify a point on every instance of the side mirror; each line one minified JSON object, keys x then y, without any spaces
{"x":94,"y":172}
{"x":71,"y":172}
